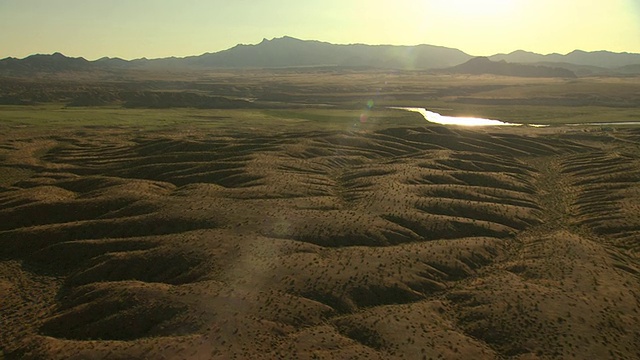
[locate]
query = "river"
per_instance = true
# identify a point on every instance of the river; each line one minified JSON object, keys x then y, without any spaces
{"x":436,"y":118}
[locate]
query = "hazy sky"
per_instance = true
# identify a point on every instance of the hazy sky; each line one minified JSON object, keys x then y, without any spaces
{"x":161,"y":28}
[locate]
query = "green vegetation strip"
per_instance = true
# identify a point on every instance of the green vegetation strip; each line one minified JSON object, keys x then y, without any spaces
{"x":58,"y":116}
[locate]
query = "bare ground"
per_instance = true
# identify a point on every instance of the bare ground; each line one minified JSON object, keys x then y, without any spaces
{"x":416,"y":243}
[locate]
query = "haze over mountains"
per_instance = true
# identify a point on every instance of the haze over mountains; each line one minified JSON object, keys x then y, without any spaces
{"x":290,"y":52}
{"x":483,"y":65}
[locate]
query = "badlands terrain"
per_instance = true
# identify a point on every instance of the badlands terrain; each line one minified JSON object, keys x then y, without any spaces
{"x":318,"y":234}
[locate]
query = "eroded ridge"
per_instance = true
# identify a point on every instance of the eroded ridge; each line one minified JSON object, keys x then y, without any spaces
{"x":409,"y":242}
{"x":565,"y":280}
{"x":609,"y":196}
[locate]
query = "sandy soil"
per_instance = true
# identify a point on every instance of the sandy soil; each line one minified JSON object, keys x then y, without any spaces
{"x":415,"y":243}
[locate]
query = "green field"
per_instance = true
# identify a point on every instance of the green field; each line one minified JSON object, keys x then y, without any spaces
{"x":60,"y":117}
{"x":55,"y":116}
{"x":329,"y":99}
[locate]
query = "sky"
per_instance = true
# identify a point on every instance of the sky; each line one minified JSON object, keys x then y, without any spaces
{"x":132,"y":29}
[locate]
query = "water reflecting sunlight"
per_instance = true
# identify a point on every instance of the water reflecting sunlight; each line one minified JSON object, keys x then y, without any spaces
{"x":434,"y":117}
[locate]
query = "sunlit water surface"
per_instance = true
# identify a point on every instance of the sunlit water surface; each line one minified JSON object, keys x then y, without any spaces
{"x":434,"y":117}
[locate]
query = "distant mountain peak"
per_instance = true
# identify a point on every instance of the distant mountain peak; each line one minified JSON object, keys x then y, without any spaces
{"x":287,"y":38}
{"x":282,"y":39}
{"x":521,"y":52}
{"x":479,"y":60}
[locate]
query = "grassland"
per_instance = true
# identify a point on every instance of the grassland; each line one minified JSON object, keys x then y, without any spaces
{"x":312,"y":232}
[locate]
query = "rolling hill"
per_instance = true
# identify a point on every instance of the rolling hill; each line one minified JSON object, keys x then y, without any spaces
{"x":482,"y":65}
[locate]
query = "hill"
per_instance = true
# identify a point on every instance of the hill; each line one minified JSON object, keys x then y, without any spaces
{"x":55,"y":62}
{"x":602,"y":59}
{"x":482,"y":65}
{"x":420,"y":242}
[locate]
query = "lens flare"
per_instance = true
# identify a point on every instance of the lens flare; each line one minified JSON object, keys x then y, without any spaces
{"x":370,"y":104}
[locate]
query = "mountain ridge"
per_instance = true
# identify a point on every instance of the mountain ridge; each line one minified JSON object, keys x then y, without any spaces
{"x":288,"y":51}
{"x":600,"y":58}
{"x":483,"y":65}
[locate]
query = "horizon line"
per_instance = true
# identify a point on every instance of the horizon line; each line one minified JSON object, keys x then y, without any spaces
{"x":309,"y":40}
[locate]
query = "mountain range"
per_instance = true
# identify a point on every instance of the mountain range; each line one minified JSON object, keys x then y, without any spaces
{"x":289,"y":52}
{"x":483,"y":65}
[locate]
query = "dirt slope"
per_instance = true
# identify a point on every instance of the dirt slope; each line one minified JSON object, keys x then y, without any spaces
{"x":416,"y":243}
